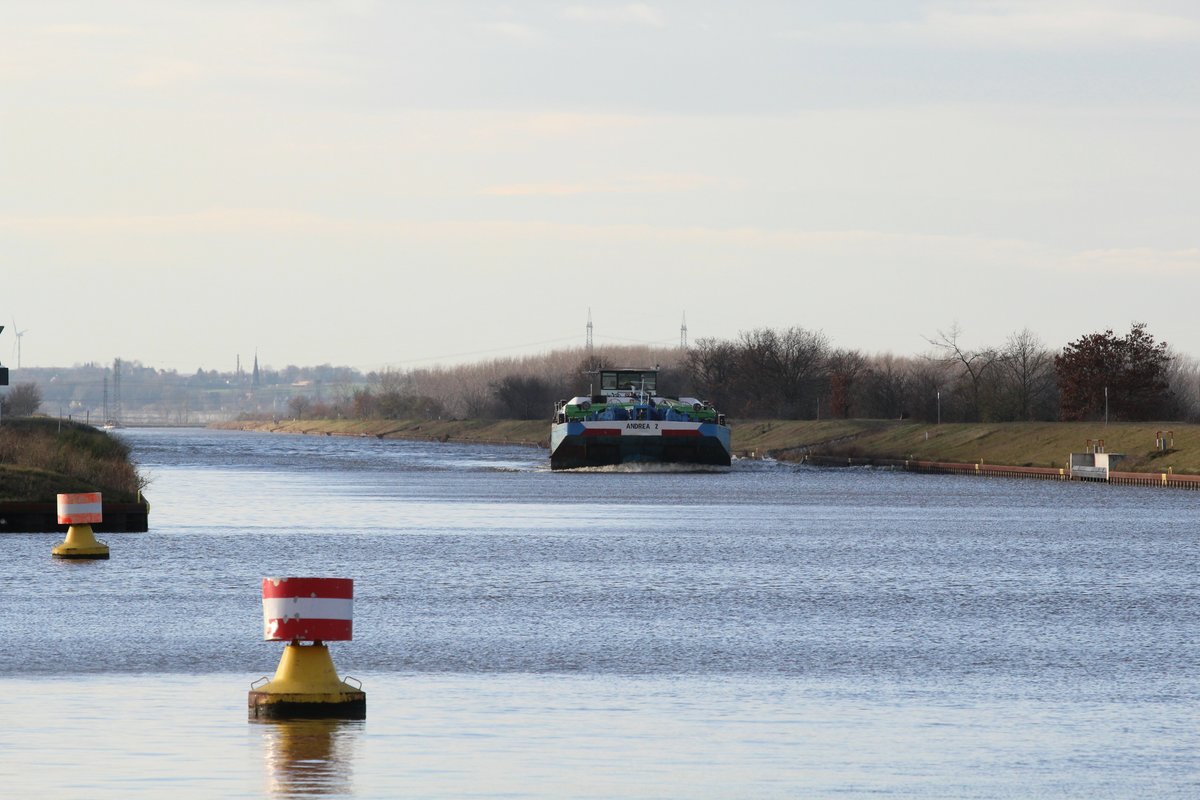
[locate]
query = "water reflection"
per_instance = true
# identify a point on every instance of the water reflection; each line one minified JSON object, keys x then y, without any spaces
{"x":309,"y":757}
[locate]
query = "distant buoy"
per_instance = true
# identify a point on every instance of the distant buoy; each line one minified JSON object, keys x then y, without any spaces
{"x":306,"y":683}
{"x":80,"y":511}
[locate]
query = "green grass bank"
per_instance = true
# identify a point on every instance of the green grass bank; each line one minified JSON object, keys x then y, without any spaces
{"x":1034,"y":444}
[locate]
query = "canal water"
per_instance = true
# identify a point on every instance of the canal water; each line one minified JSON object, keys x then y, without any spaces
{"x":771,"y":631}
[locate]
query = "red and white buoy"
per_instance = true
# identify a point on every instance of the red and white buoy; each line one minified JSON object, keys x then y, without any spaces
{"x":308,"y":609}
{"x":306,"y":683}
{"x":79,"y":511}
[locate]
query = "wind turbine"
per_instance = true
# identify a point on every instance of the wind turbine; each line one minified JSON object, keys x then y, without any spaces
{"x":18,"y":334}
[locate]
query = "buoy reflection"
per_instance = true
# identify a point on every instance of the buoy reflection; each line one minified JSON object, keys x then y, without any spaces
{"x":309,"y":756}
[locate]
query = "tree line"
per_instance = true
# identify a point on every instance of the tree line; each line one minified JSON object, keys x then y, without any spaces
{"x":764,"y":373}
{"x":797,"y":373}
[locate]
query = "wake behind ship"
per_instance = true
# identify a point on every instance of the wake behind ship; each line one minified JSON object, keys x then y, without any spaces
{"x":628,"y":422}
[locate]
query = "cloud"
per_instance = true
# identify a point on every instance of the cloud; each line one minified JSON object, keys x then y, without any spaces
{"x":513,"y":30}
{"x":1046,"y":25}
{"x":637,"y":184}
{"x":167,"y":72}
{"x":87,"y":30}
{"x":1021,"y":25}
{"x":1136,"y":261}
{"x":490,"y":129}
{"x":209,"y":221}
{"x":630,"y":14}
{"x":846,"y":246}
{"x":222,"y":48}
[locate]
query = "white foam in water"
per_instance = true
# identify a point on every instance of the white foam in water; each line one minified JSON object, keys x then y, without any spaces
{"x":647,"y":467}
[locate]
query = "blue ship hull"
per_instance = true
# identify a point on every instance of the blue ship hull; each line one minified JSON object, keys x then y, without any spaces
{"x":597,"y":444}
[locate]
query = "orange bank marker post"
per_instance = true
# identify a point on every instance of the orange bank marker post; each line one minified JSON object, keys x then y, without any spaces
{"x":80,"y":511}
{"x":306,"y":684}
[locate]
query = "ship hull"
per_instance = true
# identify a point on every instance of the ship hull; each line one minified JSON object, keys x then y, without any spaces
{"x":597,"y":444}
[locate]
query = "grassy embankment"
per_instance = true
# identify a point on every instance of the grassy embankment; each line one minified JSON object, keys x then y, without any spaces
{"x":39,"y":458}
{"x":485,"y":431}
{"x":1039,"y":444}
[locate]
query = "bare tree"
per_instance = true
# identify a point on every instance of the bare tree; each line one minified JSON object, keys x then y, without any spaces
{"x":299,"y":405}
{"x":928,"y":399}
{"x":712,"y":365}
{"x":1026,"y":369}
{"x":782,"y":371}
{"x":846,"y":369}
{"x":525,"y":397}
{"x":885,"y":388}
{"x":473,"y":400}
{"x":757,"y":353}
{"x":802,"y":368}
{"x":22,"y":400}
{"x":974,"y":366}
{"x":1183,"y":376}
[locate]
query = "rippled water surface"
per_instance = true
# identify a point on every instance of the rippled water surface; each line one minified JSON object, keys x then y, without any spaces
{"x":771,"y":631}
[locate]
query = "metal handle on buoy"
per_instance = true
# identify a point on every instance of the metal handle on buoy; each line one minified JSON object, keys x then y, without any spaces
{"x":306,"y":683}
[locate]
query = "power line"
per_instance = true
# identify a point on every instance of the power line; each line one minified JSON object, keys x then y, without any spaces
{"x":662,"y":342}
{"x":491,"y":350}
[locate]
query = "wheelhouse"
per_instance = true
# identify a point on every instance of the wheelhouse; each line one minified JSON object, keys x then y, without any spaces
{"x":625,"y":382}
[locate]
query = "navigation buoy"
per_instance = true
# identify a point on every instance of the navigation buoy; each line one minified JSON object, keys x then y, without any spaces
{"x":306,"y":684}
{"x":80,"y":511}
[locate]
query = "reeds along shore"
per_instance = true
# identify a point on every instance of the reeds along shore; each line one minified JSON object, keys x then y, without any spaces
{"x":41,"y":457}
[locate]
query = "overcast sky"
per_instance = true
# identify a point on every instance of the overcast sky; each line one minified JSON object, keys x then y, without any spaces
{"x":406,"y":183}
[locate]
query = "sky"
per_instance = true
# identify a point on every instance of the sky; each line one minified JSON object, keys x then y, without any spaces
{"x":406,"y":184}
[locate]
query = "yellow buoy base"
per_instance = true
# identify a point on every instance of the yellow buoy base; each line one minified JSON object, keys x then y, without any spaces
{"x":80,"y":543}
{"x":307,"y":685}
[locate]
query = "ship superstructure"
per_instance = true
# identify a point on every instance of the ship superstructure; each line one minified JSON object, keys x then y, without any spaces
{"x":628,"y":421}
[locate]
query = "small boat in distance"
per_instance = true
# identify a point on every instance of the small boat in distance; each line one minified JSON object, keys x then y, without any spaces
{"x":628,"y":422}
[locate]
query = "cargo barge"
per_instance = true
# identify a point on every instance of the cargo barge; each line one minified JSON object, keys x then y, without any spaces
{"x":628,"y":422}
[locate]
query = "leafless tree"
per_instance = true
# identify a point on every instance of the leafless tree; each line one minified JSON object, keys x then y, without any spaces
{"x":803,"y":364}
{"x":781,"y":372}
{"x":1026,"y":370}
{"x":1183,"y":376}
{"x":472,"y":400}
{"x":928,"y":397}
{"x":299,"y":405}
{"x":712,"y":366}
{"x":846,"y":369}
{"x":884,"y":391}
{"x":525,"y":397}
{"x":22,"y":400}
{"x":975,"y":367}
